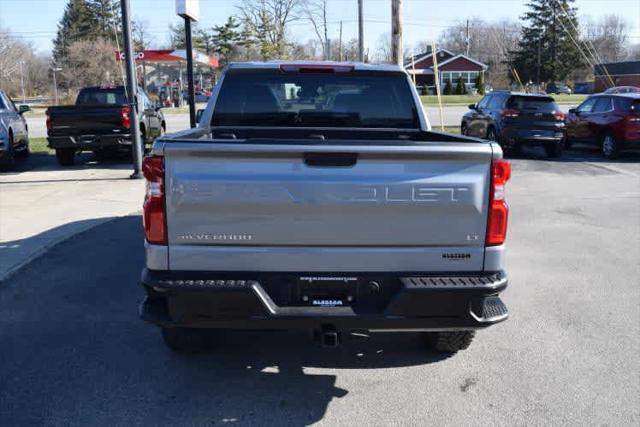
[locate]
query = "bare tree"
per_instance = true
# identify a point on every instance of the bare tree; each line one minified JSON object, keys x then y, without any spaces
{"x":265,"y":23}
{"x":141,"y":36}
{"x":607,"y":37}
{"x":315,"y":11}
{"x":383,"y":49}
{"x":21,"y":65}
{"x":90,"y":63}
{"x":490,"y":43}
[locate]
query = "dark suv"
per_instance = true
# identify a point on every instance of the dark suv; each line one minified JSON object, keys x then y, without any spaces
{"x":611,"y":121}
{"x":558,"y":89}
{"x":514,"y":119}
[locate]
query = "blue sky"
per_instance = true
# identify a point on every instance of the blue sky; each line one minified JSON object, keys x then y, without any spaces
{"x":36,"y":20}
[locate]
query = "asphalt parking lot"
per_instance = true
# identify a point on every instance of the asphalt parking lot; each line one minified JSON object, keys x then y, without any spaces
{"x":74,"y":352}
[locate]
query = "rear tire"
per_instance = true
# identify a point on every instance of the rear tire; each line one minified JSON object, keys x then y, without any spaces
{"x":554,"y":150}
{"x":491,"y":134}
{"x":66,"y":156}
{"x":449,"y":342}
{"x":186,"y":340}
{"x":609,"y":146}
{"x":8,"y":160}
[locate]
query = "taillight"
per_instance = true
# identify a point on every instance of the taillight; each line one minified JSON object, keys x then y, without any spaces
{"x":498,"y":208}
{"x":633,"y":118}
{"x":125,"y":116}
{"x":154,"y":218}
{"x":559,"y":115}
{"x":48,"y":121}
{"x":510,"y":113}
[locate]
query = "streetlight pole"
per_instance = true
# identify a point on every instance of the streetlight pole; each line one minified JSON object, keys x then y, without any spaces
{"x":360,"y":33}
{"x":132,"y":92}
{"x":55,"y":84}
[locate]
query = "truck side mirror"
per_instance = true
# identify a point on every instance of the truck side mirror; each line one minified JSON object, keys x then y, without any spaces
{"x":573,"y":111}
{"x":473,"y":107}
{"x":23,"y":109}
{"x":199,"y":114}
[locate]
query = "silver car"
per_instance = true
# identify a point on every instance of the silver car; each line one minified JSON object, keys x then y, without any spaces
{"x":14,"y":134}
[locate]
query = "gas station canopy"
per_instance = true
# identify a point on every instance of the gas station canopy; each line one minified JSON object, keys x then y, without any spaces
{"x":171,"y":55}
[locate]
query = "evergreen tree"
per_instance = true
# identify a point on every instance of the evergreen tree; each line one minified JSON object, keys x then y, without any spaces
{"x":107,"y":16}
{"x":448,"y":89}
{"x":226,"y":39}
{"x":460,"y":87}
{"x":480,"y":84}
{"x":178,"y":40}
{"x":547,"y":37}
{"x":77,"y":24}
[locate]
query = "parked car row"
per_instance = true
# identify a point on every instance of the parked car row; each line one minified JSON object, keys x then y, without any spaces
{"x":514,"y":119}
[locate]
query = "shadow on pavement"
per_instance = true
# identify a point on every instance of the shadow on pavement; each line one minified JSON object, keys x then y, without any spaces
{"x":577,"y":153}
{"x":41,"y":162}
{"x":75,"y":352}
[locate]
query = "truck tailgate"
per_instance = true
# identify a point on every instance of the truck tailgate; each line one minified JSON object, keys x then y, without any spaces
{"x":85,"y":119}
{"x":339,"y":207}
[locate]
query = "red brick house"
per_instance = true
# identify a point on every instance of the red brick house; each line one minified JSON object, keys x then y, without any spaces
{"x":622,"y":73}
{"x":450,"y":66}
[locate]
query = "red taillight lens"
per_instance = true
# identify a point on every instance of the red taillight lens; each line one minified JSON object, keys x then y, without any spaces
{"x":48,"y":122}
{"x":633,"y":118}
{"x":559,"y":115}
{"x":125,"y":115}
{"x":510,"y":113}
{"x":154,"y":218}
{"x":498,"y":208}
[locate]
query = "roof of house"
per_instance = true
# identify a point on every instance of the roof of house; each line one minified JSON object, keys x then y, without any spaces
{"x":453,"y":57}
{"x":421,"y":56}
{"x":617,"y":68}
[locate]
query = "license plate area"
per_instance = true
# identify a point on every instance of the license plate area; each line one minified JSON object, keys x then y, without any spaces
{"x":320,"y":291}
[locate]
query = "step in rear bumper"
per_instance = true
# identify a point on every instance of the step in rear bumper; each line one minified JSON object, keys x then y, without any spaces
{"x":421,"y":302}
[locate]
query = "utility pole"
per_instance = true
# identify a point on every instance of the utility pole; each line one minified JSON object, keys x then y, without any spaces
{"x":132,"y":92}
{"x":467,"y":40}
{"x":190,"y":88}
{"x":340,"y":43}
{"x":538,"y":68}
{"x":24,"y":98}
{"x":360,"y":33}
{"x":397,"y":56}
{"x":553,"y":41}
{"x":55,"y":83}
{"x":190,"y":11}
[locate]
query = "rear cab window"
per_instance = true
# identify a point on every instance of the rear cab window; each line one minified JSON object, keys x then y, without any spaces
{"x":101,"y":96}
{"x":542,"y":104}
{"x":355,"y":99}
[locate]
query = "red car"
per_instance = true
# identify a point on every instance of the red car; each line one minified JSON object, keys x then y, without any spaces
{"x":612,"y":121}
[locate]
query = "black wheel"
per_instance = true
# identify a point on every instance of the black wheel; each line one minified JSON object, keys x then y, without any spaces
{"x":553,"y":150}
{"x":25,"y":152}
{"x":186,"y":340}
{"x":463,"y":129}
{"x":609,"y":146}
{"x":66,"y":156}
{"x":449,"y":342}
{"x":491,"y":134}
{"x":567,"y":143}
{"x":8,"y":159}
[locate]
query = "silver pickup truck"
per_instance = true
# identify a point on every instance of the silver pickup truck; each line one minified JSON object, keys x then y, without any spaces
{"x":315,"y":196}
